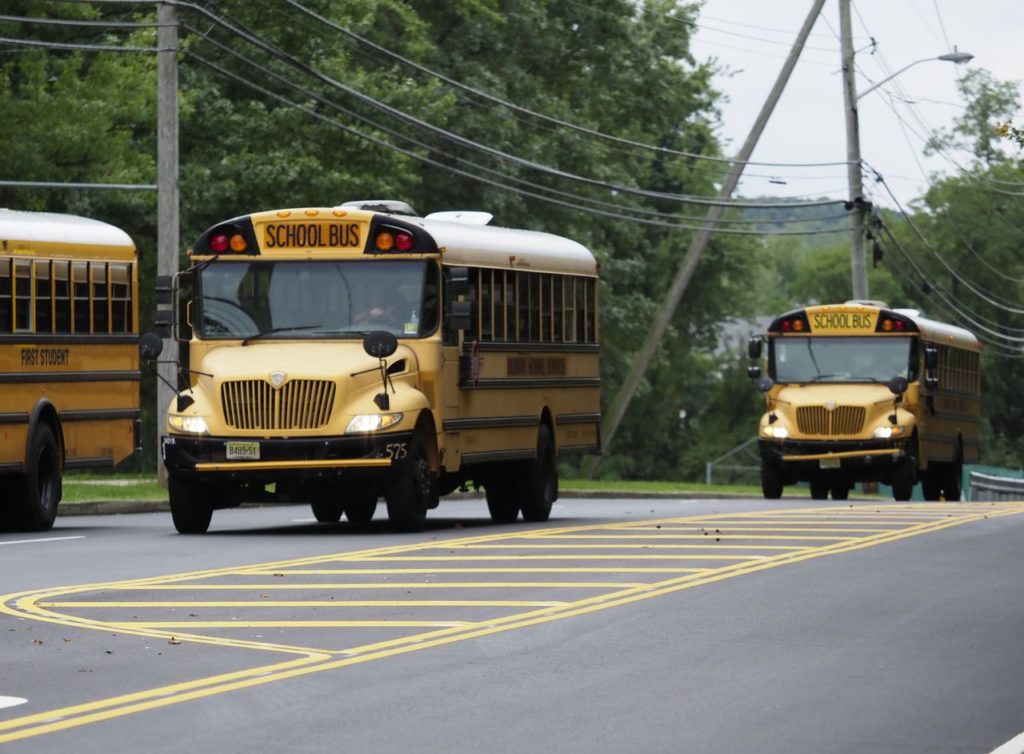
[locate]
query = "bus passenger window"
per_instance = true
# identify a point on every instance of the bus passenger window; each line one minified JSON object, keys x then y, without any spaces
{"x":80,"y":296}
{"x":44,"y":320}
{"x":22,"y":296}
{"x":62,"y":297}
{"x":120,"y":298}
{"x":6,"y":308}
{"x":99,"y":297}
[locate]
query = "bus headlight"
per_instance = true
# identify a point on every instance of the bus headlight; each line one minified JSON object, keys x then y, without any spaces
{"x":372,"y":422}
{"x":195,"y":425}
{"x":779,"y":433}
{"x":884,"y":433}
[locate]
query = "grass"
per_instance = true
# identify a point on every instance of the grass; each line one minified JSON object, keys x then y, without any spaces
{"x":85,"y":488}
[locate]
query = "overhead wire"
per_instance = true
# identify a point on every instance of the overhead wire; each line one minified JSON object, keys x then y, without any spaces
{"x":618,"y":208}
{"x":416,"y":122}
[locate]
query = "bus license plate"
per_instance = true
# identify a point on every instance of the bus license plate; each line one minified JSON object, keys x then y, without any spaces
{"x":243,"y":451}
{"x":829,"y":463}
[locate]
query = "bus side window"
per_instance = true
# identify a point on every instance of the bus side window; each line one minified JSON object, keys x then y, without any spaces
{"x":22,"y":295}
{"x":44,"y":320}
{"x":120,"y":298}
{"x":6,"y":307}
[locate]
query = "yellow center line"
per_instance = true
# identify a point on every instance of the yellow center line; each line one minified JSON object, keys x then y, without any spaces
{"x":401,"y":571}
{"x":370,"y":585}
{"x":311,"y":603}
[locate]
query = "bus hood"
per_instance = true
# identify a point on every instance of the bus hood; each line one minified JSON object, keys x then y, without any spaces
{"x":281,"y":362}
{"x":845,"y":394}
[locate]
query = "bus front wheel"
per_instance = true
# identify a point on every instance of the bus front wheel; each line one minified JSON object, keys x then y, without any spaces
{"x":412,"y":489}
{"x":771,"y":481}
{"x":191,"y":508}
{"x":40,"y":485}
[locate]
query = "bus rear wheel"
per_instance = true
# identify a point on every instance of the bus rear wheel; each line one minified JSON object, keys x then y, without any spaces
{"x":327,"y":509}
{"x":360,"y":506}
{"x":502,"y":497}
{"x":412,"y":489}
{"x":40,"y":486}
{"x":191,"y":506}
{"x":538,"y":484}
{"x":819,"y":489}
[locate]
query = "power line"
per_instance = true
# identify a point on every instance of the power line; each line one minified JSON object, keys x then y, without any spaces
{"x":257,"y":41}
{"x":526,"y":111}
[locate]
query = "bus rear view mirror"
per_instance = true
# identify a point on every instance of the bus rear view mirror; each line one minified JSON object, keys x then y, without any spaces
{"x":150,"y":346}
{"x":898,"y":385}
{"x":458,"y":314}
{"x":754,"y":348}
{"x":458,"y":282}
{"x":380,"y":344}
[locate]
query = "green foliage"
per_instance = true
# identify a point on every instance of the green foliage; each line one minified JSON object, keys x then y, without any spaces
{"x":313,"y":116}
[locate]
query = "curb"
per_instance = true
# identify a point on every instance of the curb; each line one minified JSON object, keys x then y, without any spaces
{"x":116,"y":507}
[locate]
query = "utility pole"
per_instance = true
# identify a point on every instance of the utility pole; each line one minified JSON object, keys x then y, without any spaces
{"x":617,"y":410}
{"x":858,"y":255}
{"x":168,"y":220}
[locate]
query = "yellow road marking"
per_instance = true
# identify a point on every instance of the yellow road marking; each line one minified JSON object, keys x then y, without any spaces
{"x":316,"y":603}
{"x":30,"y":604}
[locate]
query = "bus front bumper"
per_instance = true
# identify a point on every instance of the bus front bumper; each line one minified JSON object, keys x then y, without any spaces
{"x":866,"y":459}
{"x":270,"y":459}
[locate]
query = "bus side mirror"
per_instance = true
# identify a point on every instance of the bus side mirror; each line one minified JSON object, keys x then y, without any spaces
{"x":898,"y":386}
{"x":754,"y":347}
{"x":150,"y":346}
{"x":764,"y":384}
{"x":457,"y":280}
{"x":931,"y":363}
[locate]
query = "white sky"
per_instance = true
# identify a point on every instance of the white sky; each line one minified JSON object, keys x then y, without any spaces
{"x":753,"y":37}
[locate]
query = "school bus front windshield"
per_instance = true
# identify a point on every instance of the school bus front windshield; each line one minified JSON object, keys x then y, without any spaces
{"x":842,"y":359}
{"x":316,"y":299}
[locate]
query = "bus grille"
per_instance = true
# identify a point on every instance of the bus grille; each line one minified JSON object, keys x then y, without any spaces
{"x":298,"y":404}
{"x":843,"y":420}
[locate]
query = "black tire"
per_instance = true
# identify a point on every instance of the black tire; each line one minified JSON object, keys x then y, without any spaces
{"x":502,"y":497}
{"x":819,"y":488}
{"x":905,"y":477}
{"x":327,"y":509}
{"x":359,"y":508}
{"x":840,"y":489}
{"x":771,"y":481}
{"x":931,"y":482}
{"x":191,"y":508}
{"x":538,"y":484}
{"x":412,"y":488}
{"x":39,"y":489}
{"x":952,"y":476}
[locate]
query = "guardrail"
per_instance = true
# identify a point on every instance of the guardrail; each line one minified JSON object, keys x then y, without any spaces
{"x":989,"y":488}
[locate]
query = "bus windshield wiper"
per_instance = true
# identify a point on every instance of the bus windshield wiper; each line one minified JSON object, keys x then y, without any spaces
{"x":275,"y":330}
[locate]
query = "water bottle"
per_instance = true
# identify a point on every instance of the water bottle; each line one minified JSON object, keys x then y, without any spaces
{"x":413,"y":326}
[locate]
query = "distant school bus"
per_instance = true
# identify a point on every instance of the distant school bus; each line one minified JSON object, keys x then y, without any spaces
{"x":69,"y":364}
{"x":859,"y":392}
{"x":342,"y":354}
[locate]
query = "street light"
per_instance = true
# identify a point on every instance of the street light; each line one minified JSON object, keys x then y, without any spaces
{"x":950,"y":57}
{"x":857,"y":205}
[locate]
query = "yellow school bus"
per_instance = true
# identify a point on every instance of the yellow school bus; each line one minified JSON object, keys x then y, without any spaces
{"x":69,"y":363}
{"x":860,"y":392}
{"x":337,"y":355}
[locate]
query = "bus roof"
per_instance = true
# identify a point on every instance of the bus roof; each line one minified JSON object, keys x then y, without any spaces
{"x":929,"y":329}
{"x":18,"y":228}
{"x":470,"y":243}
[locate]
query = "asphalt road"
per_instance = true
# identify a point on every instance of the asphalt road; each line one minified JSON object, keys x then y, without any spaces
{"x":652,"y":625}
